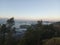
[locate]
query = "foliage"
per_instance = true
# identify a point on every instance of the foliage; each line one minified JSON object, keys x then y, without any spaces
{"x":37,"y":33}
{"x":10,"y":22}
{"x":6,"y":32}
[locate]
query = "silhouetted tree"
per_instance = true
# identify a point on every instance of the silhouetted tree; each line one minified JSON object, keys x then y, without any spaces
{"x":6,"y":32}
{"x":10,"y":22}
{"x":11,"y":31}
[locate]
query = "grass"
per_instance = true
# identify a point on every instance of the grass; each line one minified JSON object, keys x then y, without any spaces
{"x":53,"y":41}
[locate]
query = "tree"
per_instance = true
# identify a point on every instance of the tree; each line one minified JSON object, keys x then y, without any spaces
{"x":37,"y":33}
{"x":10,"y":31}
{"x":10,"y":22}
{"x":3,"y":34}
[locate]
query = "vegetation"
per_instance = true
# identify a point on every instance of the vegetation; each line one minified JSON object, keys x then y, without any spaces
{"x":53,"y":41}
{"x":6,"y":32}
{"x":37,"y":34}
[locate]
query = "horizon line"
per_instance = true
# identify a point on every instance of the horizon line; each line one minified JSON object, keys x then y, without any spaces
{"x":44,"y":19}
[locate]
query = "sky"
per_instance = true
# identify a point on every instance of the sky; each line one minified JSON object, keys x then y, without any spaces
{"x":30,"y":9}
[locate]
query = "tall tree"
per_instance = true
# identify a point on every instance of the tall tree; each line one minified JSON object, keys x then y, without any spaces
{"x":10,"y":31}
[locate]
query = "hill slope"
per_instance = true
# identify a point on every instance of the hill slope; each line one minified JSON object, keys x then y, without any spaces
{"x":53,"y":41}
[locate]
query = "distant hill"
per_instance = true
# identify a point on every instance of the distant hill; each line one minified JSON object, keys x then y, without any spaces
{"x":57,"y":23}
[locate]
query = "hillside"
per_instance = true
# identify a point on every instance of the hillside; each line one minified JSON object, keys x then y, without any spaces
{"x":53,"y":41}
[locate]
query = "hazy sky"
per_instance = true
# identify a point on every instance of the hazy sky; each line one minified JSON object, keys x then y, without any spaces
{"x":30,"y":9}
